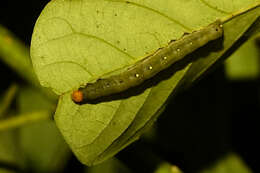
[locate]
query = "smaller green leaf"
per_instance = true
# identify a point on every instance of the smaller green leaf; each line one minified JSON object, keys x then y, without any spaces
{"x":42,"y":144}
{"x":44,"y":148}
{"x":30,"y":99}
{"x":244,"y":63}
{"x":2,"y":170}
{"x":167,"y":168}
{"x":112,"y":165}
{"x":231,"y":163}
{"x":9,"y":150}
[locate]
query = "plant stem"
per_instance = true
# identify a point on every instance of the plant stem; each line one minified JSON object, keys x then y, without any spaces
{"x":23,"y":119}
{"x":7,"y":99}
{"x":16,"y":55}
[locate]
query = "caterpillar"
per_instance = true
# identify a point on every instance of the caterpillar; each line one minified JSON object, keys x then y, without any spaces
{"x":150,"y":65}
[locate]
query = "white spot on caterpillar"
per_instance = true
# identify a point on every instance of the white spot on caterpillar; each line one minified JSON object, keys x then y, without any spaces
{"x":164,"y":58}
{"x":137,"y":75}
{"x":178,"y":50}
{"x":150,"y":67}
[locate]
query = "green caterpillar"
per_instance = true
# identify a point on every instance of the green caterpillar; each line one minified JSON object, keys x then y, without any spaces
{"x":149,"y":66}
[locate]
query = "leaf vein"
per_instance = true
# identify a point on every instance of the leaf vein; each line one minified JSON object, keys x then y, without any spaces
{"x":69,"y":62}
{"x":83,"y":146}
{"x":212,"y":7}
{"x":152,"y":10}
{"x":101,"y":132}
{"x":64,"y":20}
{"x":106,"y":42}
{"x":89,"y":36}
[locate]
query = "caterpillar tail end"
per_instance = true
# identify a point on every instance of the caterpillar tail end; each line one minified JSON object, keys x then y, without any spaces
{"x":77,"y":96}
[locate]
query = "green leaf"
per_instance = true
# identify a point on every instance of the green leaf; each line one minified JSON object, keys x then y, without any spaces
{"x":41,"y":143}
{"x":110,"y":166}
{"x":244,"y":63}
{"x":44,"y":148}
{"x":30,"y":100}
{"x":76,"y":42}
{"x":2,"y":170}
{"x":9,"y":150}
{"x":167,"y":168}
{"x":231,"y":163}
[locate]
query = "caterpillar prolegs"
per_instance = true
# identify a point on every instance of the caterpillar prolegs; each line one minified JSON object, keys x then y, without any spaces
{"x":149,"y":66}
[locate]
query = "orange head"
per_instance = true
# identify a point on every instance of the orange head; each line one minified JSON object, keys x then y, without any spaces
{"x":77,"y":96}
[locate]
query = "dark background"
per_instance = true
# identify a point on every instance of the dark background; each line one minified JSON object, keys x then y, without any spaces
{"x":199,"y":126}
